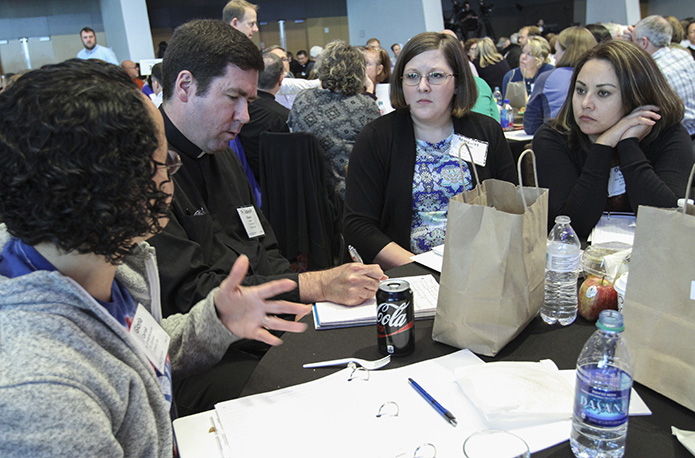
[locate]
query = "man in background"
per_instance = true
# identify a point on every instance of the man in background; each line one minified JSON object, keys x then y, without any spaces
{"x":131,"y":68}
{"x":92,"y":50}
{"x":266,"y":115}
{"x":304,"y":65}
{"x":241,"y":15}
{"x":653,"y":34}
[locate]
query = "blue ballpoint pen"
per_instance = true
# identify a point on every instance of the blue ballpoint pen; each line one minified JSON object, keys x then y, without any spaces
{"x":448,"y":416}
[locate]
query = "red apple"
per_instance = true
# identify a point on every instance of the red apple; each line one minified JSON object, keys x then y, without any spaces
{"x":596,"y":294}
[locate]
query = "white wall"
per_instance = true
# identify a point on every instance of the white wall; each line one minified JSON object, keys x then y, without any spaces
{"x":679,"y":8}
{"x":127,"y":28}
{"x":392,"y":21}
{"x":618,"y":11}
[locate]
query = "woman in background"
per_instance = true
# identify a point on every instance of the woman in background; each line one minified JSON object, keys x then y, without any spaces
{"x":490,"y":64}
{"x":533,"y":62}
{"x":403,"y":168}
{"x":550,"y":90}
{"x":617,"y":142}
{"x":337,"y":111}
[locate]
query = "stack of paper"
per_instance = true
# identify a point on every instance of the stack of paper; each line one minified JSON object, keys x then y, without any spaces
{"x":328,"y":315}
{"x":341,"y":415}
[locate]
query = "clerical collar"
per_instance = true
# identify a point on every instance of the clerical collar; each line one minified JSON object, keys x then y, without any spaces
{"x":177,"y":140}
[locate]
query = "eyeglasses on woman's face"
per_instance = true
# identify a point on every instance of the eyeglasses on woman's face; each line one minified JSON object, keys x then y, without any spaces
{"x":173,"y":163}
{"x":433,"y":78}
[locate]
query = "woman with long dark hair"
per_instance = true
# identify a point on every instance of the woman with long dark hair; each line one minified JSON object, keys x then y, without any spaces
{"x":617,"y":142}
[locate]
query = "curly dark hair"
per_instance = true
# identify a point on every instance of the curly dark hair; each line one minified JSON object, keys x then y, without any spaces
{"x":76,"y":144}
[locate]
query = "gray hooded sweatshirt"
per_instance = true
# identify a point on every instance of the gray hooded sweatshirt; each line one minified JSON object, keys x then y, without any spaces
{"x":73,"y":383}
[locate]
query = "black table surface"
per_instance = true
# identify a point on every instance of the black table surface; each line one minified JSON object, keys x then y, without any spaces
{"x":648,"y":436}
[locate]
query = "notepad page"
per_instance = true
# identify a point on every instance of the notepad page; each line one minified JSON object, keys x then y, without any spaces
{"x":425,"y":291}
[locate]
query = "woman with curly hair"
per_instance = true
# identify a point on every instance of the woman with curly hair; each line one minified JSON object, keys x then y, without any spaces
{"x":617,"y":143}
{"x":337,"y":111}
{"x":86,"y":360}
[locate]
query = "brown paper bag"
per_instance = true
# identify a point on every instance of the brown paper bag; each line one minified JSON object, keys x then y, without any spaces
{"x":659,"y":307}
{"x":516,"y":93}
{"x":494,"y":265}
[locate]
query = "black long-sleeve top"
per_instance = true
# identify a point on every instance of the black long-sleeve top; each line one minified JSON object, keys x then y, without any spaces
{"x":655,"y":174}
{"x":205,"y":235}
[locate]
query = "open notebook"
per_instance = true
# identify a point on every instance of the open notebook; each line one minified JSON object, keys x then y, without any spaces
{"x":329,"y":315}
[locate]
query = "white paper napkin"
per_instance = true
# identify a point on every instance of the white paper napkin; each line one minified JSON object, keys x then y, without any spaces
{"x":518,"y":394}
{"x":687,"y":438}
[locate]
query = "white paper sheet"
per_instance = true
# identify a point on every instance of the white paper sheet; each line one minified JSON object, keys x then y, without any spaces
{"x":432,"y":259}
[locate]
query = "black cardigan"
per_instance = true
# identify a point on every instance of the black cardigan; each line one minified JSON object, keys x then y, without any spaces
{"x":379,"y":184}
{"x":655,"y":174}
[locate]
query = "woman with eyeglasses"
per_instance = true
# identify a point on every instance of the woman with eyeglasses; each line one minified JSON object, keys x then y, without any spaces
{"x":86,"y":359}
{"x":533,"y":62}
{"x":403,"y":168}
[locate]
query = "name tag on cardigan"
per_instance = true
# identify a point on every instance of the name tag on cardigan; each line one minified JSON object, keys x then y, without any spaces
{"x":616,"y":182}
{"x":464,"y":148}
{"x":150,"y":338}
{"x":250,"y":220}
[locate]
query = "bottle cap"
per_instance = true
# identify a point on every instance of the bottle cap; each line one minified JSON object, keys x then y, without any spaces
{"x":506,"y":100}
{"x":610,"y":320}
{"x":562,"y":219}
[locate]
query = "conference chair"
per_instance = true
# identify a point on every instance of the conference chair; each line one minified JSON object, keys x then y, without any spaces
{"x":298,"y":199}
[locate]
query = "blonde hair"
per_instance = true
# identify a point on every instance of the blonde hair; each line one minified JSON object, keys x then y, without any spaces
{"x":487,"y":53}
{"x":575,"y":41}
{"x":540,"y":49}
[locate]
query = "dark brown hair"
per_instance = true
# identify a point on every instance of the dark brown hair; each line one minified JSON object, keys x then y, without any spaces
{"x":465,"y":93}
{"x":641,"y":83}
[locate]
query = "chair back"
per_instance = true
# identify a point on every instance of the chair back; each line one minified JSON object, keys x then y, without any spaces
{"x":298,"y":200}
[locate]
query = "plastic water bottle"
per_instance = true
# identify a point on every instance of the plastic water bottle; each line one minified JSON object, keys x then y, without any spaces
{"x":602,"y":393}
{"x":561,"y":271}
{"x":507,"y":116}
{"x":498,"y":97}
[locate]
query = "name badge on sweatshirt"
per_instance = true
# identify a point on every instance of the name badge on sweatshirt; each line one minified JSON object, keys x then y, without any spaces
{"x":150,"y":338}
{"x":477,"y":148}
{"x":616,"y":182}
{"x":249,"y":219}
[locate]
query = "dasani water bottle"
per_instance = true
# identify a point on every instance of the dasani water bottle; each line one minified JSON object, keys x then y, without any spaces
{"x":602,"y":392}
{"x":561,"y":270}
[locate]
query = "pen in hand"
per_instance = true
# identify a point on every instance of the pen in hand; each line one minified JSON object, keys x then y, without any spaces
{"x":448,"y":416}
{"x":355,"y":255}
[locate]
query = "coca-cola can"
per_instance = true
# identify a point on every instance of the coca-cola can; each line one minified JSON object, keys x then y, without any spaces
{"x":395,"y":315}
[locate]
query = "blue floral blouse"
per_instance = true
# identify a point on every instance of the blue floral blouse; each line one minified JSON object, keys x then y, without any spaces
{"x":437,"y":178}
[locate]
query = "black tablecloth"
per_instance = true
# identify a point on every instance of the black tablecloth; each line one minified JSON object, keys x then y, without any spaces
{"x":648,"y":436}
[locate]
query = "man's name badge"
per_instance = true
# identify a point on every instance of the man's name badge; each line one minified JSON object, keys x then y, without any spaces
{"x":150,"y":338}
{"x":477,"y":148}
{"x":250,"y":220}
